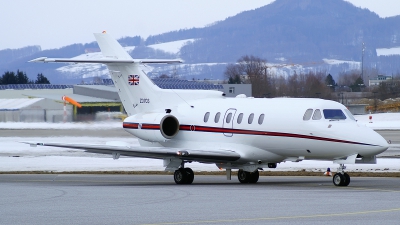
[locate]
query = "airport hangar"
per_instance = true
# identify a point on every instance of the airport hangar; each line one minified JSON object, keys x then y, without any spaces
{"x":43,"y":102}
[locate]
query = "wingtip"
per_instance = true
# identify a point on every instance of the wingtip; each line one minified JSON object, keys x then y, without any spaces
{"x":32,"y":144}
{"x":40,"y":59}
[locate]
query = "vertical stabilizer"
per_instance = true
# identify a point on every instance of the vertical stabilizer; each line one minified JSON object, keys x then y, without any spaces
{"x":110,"y":47}
{"x":137,"y":92}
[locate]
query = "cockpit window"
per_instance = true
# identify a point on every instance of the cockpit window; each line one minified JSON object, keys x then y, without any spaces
{"x":317,"y":115}
{"x":307,"y":114}
{"x":334,"y":114}
{"x":349,"y":114}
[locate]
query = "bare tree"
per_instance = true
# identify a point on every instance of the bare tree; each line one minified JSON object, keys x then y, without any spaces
{"x":249,"y":69}
{"x":348,"y":78}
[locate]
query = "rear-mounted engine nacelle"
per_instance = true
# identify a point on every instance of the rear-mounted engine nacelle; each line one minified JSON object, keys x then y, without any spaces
{"x":153,"y":127}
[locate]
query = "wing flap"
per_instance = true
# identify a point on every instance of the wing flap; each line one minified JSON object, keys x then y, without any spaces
{"x":213,"y":156}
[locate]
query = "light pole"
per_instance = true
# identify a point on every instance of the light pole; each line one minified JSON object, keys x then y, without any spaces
{"x":375,"y":101}
{"x":341,"y":94}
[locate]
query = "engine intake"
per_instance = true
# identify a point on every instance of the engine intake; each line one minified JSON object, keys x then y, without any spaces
{"x":169,"y":126}
{"x":153,"y":127}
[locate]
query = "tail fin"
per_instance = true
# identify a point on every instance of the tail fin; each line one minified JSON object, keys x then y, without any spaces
{"x":110,"y":47}
{"x":137,"y":92}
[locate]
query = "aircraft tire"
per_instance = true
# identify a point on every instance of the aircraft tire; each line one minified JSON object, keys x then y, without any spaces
{"x":338,"y":179}
{"x":346,"y":179}
{"x":243,"y":176}
{"x":180,"y":176}
{"x":254,"y":177}
{"x":189,"y":175}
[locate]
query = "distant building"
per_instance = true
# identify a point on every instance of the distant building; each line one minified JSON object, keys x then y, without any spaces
{"x":379,"y":79}
{"x":232,"y":90}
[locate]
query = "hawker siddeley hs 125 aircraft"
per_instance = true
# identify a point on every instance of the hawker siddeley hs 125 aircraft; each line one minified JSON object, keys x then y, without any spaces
{"x":248,"y":134}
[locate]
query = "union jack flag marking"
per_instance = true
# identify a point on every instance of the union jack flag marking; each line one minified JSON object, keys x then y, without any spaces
{"x":133,"y":79}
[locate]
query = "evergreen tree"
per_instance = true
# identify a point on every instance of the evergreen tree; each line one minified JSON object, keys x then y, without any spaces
{"x":41,"y":79}
{"x":357,"y":85}
{"x":234,"y":80}
{"x":330,"y":82}
{"x":9,"y":78}
{"x":22,"y":78}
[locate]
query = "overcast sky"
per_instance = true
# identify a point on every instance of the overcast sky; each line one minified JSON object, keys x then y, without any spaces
{"x":53,"y":24}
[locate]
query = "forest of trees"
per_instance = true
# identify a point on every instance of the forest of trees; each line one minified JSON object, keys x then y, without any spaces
{"x":21,"y":78}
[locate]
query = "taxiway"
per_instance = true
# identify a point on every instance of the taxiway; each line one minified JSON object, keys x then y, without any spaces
{"x":156,"y":199}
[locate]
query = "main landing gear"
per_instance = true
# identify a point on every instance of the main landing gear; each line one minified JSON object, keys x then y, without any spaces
{"x":184,"y":176}
{"x":341,"y":178}
{"x":248,"y":177}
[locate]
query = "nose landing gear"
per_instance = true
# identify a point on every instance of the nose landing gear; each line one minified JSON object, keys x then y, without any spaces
{"x":341,"y":178}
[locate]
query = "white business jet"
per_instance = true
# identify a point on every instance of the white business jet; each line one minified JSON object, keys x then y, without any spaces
{"x":244,"y":133}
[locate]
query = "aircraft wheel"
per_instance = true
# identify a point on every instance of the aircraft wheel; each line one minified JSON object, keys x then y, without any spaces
{"x":346,"y":179}
{"x":180,"y":176}
{"x":243,"y":176}
{"x":338,"y":179}
{"x":189,"y":175}
{"x":254,"y":177}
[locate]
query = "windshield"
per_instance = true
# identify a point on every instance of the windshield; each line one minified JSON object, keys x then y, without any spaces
{"x":334,"y":114}
{"x":350,"y":115}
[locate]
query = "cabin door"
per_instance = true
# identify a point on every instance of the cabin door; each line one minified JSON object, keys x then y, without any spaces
{"x":228,"y":122}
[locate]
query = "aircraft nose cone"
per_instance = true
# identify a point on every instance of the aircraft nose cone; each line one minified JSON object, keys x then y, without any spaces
{"x":381,"y":144}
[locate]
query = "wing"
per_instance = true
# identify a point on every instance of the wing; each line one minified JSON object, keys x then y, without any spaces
{"x":209,"y":156}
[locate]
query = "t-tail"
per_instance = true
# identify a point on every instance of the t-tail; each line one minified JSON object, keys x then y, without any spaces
{"x":136,"y":90}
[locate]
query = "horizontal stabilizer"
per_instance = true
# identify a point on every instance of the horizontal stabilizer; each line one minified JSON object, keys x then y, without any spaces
{"x":104,"y":61}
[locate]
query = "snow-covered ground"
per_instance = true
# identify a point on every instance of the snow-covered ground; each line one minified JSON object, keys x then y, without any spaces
{"x":171,"y":47}
{"x":380,"y":121}
{"x":16,"y":156}
{"x":388,"y":51}
{"x":61,"y":126}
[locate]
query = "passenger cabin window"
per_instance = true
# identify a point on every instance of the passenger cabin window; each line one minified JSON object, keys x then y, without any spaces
{"x":307,"y":114}
{"x":261,"y":119}
{"x":206,"y":116}
{"x":350,"y":115}
{"x":240,"y":118}
{"x":216,"y":119}
{"x":334,"y":114}
{"x":228,"y":118}
{"x":251,"y":117}
{"x":317,"y":115}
